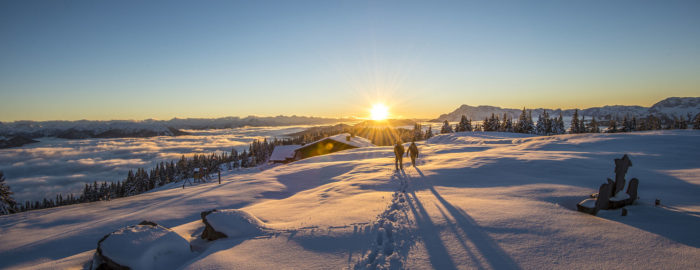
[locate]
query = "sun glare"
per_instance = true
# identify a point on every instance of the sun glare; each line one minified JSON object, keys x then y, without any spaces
{"x":379,"y":111}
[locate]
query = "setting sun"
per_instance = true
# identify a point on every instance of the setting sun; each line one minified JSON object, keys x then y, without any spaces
{"x":379,"y":111}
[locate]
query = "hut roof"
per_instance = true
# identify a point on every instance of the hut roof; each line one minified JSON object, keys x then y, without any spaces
{"x":343,"y":138}
{"x":283,"y":152}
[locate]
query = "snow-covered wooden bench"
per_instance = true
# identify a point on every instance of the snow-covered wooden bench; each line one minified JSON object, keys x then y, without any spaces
{"x":611,"y":195}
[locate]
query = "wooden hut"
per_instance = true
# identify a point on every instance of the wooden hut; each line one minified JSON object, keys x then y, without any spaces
{"x":331,"y":144}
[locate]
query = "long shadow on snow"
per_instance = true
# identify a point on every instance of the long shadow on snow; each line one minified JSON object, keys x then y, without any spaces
{"x":667,"y":222}
{"x":590,"y":175}
{"x":589,"y":170}
{"x":307,"y":179}
{"x":497,"y":257}
{"x":462,"y":149}
{"x":437,"y":252}
{"x":439,"y":257}
{"x":355,"y":243}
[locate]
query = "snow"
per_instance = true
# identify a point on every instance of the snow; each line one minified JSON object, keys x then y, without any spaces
{"x":235,"y":223}
{"x":670,"y":107}
{"x":475,"y":200}
{"x":146,"y":247}
{"x":589,"y":203}
{"x":283,"y":152}
{"x":343,"y":138}
{"x":620,"y":196}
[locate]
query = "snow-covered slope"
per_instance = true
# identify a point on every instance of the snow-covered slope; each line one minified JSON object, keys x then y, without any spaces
{"x":665,"y":109}
{"x":676,"y":107}
{"x":476,"y":200}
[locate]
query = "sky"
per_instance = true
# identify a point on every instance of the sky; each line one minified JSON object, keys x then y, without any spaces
{"x":100,"y":60}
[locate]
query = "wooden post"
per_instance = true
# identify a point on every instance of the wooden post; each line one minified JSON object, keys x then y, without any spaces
{"x":219,"y":177}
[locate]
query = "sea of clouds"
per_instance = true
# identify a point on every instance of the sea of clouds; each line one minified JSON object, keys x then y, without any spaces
{"x":53,"y":165}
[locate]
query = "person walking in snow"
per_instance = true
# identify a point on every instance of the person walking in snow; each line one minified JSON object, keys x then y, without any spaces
{"x":398,"y":152}
{"x":413,"y":152}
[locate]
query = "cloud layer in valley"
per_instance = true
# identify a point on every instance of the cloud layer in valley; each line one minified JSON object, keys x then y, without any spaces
{"x":54,"y":166}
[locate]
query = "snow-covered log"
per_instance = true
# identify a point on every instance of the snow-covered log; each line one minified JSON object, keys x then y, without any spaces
{"x":143,"y":246}
{"x":230,"y":223}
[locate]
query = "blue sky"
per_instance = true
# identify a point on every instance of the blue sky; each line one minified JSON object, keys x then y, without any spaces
{"x":67,"y":60}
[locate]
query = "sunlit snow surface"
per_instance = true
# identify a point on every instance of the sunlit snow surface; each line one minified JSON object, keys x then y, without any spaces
{"x":54,"y":166}
{"x":477,"y":200}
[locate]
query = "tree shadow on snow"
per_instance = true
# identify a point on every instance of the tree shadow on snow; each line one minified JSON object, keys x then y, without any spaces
{"x":669,"y":222}
{"x":355,"y":243}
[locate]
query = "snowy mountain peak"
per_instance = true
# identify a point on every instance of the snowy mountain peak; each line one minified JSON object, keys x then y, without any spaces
{"x":668,"y":108}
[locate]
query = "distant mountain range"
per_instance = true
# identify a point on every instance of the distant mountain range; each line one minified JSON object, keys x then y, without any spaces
{"x":16,"y":141}
{"x":147,"y":128}
{"x":666,"y":109}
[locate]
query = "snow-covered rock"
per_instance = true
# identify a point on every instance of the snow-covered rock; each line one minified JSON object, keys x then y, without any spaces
{"x":143,"y":246}
{"x":230,"y":223}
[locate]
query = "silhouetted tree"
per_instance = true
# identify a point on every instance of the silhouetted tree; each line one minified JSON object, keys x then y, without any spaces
{"x":612,"y":126}
{"x":429,"y":133}
{"x":417,"y":132}
{"x":446,"y":128}
{"x":574,"y":123}
{"x":7,"y":203}
{"x":464,"y":124}
{"x":593,"y":126}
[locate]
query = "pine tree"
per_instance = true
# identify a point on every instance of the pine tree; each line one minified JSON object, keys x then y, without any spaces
{"x":582,"y":125}
{"x":560,"y":124}
{"x":547,"y":123}
{"x":7,"y":203}
{"x":529,"y":124}
{"x":494,"y":123}
{"x":520,"y":126}
{"x":574,"y":123}
{"x":507,"y":124}
{"x":446,"y":128}
{"x":696,"y":121}
{"x":463,"y":124}
{"x":653,"y":123}
{"x":680,"y":123}
{"x":540,"y":128}
{"x":417,"y":132}
{"x":486,"y":124}
{"x":429,"y":133}
{"x":593,"y":126}
{"x":612,"y":126}
{"x":626,"y":125}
